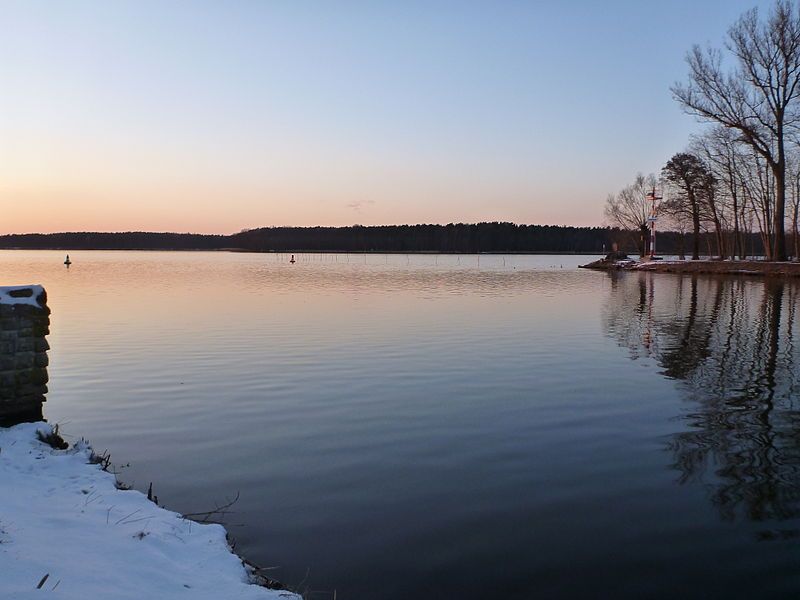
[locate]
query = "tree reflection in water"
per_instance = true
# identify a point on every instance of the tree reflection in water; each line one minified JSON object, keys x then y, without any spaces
{"x":730,"y":343}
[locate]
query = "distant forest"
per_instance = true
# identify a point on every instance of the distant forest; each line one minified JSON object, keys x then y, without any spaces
{"x":452,"y":238}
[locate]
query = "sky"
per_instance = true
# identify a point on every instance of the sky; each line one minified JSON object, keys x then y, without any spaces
{"x":213,"y":117}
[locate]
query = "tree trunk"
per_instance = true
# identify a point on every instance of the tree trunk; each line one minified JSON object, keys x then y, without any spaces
{"x":736,"y":250}
{"x":779,"y":249}
{"x":644,"y":235}
{"x":796,"y":206}
{"x":695,"y":227}
{"x":779,"y":171}
{"x":719,"y":236}
{"x":765,"y":241}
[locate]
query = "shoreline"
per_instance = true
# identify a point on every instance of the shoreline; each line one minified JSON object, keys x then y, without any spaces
{"x":757,"y":268}
{"x":69,"y":527}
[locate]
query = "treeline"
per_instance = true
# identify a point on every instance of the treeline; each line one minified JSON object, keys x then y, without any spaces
{"x":129,"y":240}
{"x":451,"y":238}
{"x":461,"y":237}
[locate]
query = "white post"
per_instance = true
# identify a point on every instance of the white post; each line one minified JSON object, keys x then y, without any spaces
{"x":652,"y":196}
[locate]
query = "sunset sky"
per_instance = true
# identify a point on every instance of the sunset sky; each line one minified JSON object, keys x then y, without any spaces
{"x":217,"y":116}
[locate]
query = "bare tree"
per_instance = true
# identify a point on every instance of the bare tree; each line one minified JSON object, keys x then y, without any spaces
{"x":793,"y":176}
{"x":723,"y":154}
{"x":757,"y":98}
{"x":692,"y":185}
{"x":759,"y":189}
{"x":630,"y":208}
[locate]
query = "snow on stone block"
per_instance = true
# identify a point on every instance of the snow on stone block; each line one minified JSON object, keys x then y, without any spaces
{"x":32,"y":295}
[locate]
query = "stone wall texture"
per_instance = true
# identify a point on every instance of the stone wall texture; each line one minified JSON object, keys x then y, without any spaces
{"x":23,"y":354}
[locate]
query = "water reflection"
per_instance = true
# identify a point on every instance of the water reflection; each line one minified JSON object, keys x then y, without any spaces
{"x":731,"y":345}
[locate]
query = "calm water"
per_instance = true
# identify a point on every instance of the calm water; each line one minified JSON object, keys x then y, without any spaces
{"x":445,"y":427}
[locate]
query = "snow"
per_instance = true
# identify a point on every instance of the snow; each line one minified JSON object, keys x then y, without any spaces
{"x":6,"y":298}
{"x":63,"y":516}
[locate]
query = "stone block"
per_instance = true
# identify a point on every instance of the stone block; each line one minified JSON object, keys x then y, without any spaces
{"x":24,"y":323}
{"x":25,"y":360}
{"x":9,"y":324}
{"x":25,"y":344}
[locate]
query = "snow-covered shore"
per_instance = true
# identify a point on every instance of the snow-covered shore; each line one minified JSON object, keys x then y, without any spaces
{"x":704,"y":266}
{"x":63,"y":517}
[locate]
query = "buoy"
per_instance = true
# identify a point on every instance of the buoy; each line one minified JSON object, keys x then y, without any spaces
{"x":292,"y":259}
{"x":67,"y":261}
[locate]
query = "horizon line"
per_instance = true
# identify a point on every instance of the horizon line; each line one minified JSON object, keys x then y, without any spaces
{"x":354,"y":225}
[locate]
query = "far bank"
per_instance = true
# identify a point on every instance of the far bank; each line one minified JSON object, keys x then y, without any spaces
{"x":707,"y":266}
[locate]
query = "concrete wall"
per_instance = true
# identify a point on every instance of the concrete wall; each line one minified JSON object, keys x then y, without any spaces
{"x":24,"y":323}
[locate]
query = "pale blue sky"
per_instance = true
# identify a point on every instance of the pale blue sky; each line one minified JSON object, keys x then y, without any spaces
{"x":214,"y":116}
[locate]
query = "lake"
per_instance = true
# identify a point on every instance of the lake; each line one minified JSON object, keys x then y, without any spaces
{"x":437,"y":426}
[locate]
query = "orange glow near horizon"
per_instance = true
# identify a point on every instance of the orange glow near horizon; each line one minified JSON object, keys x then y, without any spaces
{"x":56,"y":203}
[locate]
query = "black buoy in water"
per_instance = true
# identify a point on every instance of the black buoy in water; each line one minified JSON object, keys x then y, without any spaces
{"x":291,"y":261}
{"x":67,"y":261}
